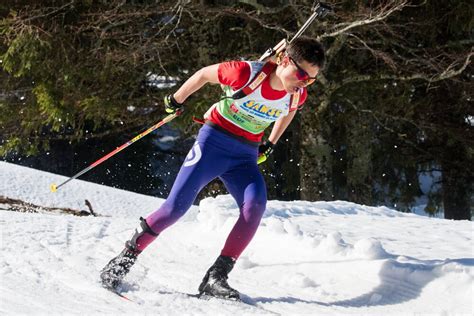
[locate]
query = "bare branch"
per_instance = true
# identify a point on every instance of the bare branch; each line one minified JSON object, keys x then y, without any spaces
{"x":451,"y":72}
{"x":381,"y":15}
{"x":263,"y":8}
{"x":50,"y":13}
{"x":9,"y":204}
{"x":377,"y":53}
{"x":448,"y":73}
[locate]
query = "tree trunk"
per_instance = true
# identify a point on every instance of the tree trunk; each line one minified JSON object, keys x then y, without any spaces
{"x":457,"y":185}
{"x":287,"y":161}
{"x":316,"y":161}
{"x":359,"y":167}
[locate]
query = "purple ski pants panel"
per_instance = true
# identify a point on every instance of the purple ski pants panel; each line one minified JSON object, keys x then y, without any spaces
{"x":213,"y":155}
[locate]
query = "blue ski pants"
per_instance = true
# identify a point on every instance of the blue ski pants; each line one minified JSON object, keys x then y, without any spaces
{"x":234,"y":162}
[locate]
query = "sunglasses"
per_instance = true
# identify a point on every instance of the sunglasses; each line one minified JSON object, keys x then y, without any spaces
{"x":301,"y":74}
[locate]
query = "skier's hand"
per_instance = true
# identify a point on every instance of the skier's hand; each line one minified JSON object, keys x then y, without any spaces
{"x":172,"y":106}
{"x":264,"y":151}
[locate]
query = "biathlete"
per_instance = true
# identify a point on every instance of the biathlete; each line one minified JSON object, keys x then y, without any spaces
{"x":228,"y":147}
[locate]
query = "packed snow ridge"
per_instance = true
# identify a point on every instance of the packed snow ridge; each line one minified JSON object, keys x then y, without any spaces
{"x":313,"y":258}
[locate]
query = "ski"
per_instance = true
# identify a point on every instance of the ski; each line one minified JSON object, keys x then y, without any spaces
{"x":116,"y":292}
{"x":210,"y":297}
{"x":243,"y":300}
{"x":204,"y":296}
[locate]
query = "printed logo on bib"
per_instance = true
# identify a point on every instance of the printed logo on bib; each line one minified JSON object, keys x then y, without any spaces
{"x":193,"y":156}
{"x":261,"y":110}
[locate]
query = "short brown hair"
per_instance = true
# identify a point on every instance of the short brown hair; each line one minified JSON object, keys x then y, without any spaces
{"x":308,"y":49}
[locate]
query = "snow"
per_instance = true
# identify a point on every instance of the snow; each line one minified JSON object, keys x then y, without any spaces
{"x":161,"y":82}
{"x":470,"y":120}
{"x":313,"y":258}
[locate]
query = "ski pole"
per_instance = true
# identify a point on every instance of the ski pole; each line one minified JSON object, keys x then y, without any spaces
{"x":320,"y":9}
{"x":167,"y":119}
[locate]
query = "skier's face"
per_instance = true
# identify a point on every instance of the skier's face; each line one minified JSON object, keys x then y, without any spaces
{"x":296,"y":75}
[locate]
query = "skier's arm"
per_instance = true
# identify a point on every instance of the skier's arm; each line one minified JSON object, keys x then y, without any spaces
{"x":266,"y":148}
{"x":197,"y":81}
{"x":280,"y":126}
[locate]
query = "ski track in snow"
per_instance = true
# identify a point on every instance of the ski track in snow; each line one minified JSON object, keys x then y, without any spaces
{"x":307,"y":257}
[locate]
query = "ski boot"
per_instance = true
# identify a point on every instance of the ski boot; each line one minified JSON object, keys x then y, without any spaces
{"x":117,"y":268}
{"x":215,"y":281}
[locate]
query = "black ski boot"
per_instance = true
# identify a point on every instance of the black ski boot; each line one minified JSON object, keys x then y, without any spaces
{"x":215,"y":280}
{"x":117,"y":268}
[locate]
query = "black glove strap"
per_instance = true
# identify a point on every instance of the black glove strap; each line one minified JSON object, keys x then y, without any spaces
{"x":266,"y":148}
{"x":174,"y":103}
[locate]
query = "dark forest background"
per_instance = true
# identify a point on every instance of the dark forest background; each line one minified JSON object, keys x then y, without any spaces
{"x":391,"y":111}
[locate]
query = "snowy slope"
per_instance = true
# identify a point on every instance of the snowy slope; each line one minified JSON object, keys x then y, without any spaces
{"x":307,"y":257}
